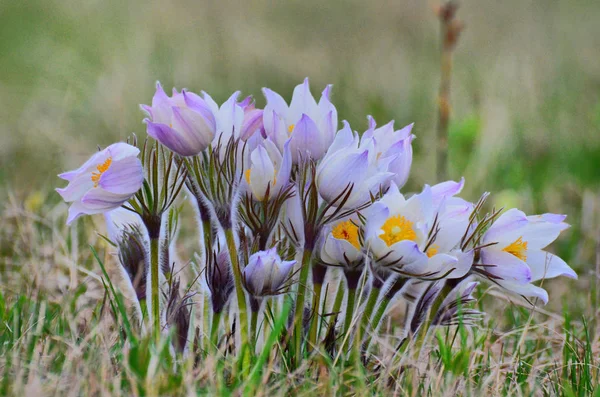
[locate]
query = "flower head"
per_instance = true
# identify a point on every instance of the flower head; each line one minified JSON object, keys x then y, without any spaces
{"x":514,"y":256}
{"x":310,"y":125}
{"x":419,"y":236}
{"x":350,"y":167}
{"x":393,"y":147}
{"x":184,"y":122}
{"x":104,"y":182}
{"x":266,"y":273}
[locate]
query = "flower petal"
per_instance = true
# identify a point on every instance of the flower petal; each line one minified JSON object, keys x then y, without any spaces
{"x":123,"y":177}
{"x":505,"y":266}
{"x":545,"y":265}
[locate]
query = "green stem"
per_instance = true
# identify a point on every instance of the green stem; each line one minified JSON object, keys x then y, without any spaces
{"x":206,"y":232}
{"x":239,"y":289}
{"x":214,"y":329}
{"x":302,"y":284}
{"x":253,"y":322}
{"x":312,"y":336}
{"x":349,"y":309}
{"x":337,"y":303}
{"x":154,"y":243}
{"x":380,"y":311}
{"x":366,"y":315}
{"x":385,"y":301}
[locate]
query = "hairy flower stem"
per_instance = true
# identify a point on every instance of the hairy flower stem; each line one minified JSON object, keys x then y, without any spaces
{"x":366,"y":315}
{"x":154,"y":243}
{"x":312,"y":335}
{"x":349,"y":309}
{"x":319,"y":272}
{"x":214,"y":330}
{"x":385,"y":301}
{"x":254,"y":309}
{"x":239,"y":291}
{"x":302,"y":283}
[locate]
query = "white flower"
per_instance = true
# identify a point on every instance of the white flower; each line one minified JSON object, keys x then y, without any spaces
{"x":514,"y":255}
{"x":350,"y":164}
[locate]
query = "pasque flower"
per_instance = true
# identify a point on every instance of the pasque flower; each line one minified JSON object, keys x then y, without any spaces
{"x":104,"y":182}
{"x":268,"y":170}
{"x":351,"y":164}
{"x":394,"y":144}
{"x":184,"y":122}
{"x":266,"y":273}
{"x":310,"y":126}
{"x":513,"y":254}
{"x":416,"y":237}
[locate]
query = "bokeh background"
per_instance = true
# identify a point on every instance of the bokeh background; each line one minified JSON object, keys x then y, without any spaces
{"x":525,"y":87}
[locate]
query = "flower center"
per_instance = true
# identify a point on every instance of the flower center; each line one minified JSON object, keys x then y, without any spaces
{"x":347,"y":231}
{"x":518,"y":249}
{"x":397,"y":228}
{"x":290,"y":129}
{"x":247,"y":175}
{"x":101,"y":170}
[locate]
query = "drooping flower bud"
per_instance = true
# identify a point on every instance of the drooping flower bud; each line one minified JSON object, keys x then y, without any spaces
{"x":219,"y":279}
{"x":126,"y":230}
{"x":266,"y":273}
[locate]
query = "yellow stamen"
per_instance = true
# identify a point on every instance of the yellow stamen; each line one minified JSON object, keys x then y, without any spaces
{"x":518,"y":249}
{"x":247,"y":175}
{"x":432,"y":250}
{"x":347,"y":231}
{"x":397,"y":228}
{"x":290,"y":129}
{"x":101,"y":170}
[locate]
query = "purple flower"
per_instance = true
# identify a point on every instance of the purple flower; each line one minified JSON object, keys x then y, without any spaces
{"x":514,"y":255}
{"x":184,"y":122}
{"x":104,"y":182}
{"x":393,"y":147}
{"x":266,"y":273}
{"x":310,"y":126}
{"x":350,"y":163}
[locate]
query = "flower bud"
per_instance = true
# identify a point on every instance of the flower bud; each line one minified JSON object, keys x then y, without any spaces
{"x":219,"y":280}
{"x":266,"y":273}
{"x":184,"y":122}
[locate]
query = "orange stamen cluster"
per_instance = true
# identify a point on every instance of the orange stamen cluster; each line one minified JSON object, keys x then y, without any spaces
{"x":347,"y":231}
{"x":518,"y":249}
{"x":101,"y":170}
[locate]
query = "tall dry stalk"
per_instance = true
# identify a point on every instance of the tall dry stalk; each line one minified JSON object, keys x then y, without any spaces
{"x":450,"y":31}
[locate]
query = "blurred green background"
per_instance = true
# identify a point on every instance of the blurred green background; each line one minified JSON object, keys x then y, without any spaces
{"x":525,"y":87}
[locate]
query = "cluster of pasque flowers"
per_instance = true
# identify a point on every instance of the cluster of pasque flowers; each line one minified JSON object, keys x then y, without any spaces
{"x":286,"y":202}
